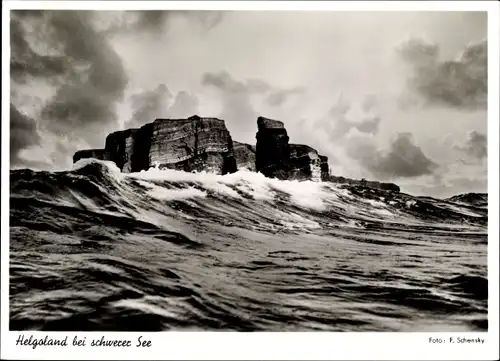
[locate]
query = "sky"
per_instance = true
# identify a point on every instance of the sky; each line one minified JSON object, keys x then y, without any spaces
{"x":390,"y":96}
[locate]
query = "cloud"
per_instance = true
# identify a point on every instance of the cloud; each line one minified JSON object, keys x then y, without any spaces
{"x":76,"y":70}
{"x":279,"y":97}
{"x":66,"y":49}
{"x":346,"y":115}
{"x":225,"y":82}
{"x":157,"y":103}
{"x":149,"y":105}
{"x":99,"y":79}
{"x":476,"y":145}
{"x":237,"y":107}
{"x":241,"y":98}
{"x":460,"y":83}
{"x":157,"y":22}
{"x":151,"y":20}
{"x":450,"y":179}
{"x":23,"y":134}
{"x":25,"y":62}
{"x":185,"y":105}
{"x":403,"y":159}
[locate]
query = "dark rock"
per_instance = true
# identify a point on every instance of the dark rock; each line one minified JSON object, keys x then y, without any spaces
{"x":101,"y":154}
{"x":204,"y":144}
{"x":473,"y":199}
{"x":121,"y":147}
{"x":365,"y":183}
{"x":276,"y":158}
{"x":305,"y":162}
{"x":141,"y":148}
{"x":325,"y":169}
{"x":194,"y":144}
{"x":267,"y":123}
{"x":244,"y":155}
{"x":272,"y":151}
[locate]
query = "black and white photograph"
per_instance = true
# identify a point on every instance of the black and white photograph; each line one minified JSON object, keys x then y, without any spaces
{"x":248,"y":171}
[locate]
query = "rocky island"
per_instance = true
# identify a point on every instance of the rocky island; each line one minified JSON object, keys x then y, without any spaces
{"x":205,"y":144}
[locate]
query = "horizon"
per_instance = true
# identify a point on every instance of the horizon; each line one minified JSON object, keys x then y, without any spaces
{"x":401,"y":104}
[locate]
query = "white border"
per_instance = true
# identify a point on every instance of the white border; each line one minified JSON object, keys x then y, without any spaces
{"x":255,"y":5}
{"x":271,"y":346}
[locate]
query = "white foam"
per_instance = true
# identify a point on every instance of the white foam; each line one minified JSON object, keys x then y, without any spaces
{"x":86,"y":161}
{"x":410,"y":203}
{"x":306,"y":194}
{"x":162,"y":193}
{"x":209,"y":181}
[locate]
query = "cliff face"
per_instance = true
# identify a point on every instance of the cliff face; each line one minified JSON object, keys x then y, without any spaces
{"x":272,"y":150}
{"x":101,"y":154}
{"x":184,"y":144}
{"x":276,"y":158}
{"x":325,"y":169}
{"x":244,"y":155}
{"x":305,"y":162}
{"x":120,"y":145}
{"x":192,"y":144}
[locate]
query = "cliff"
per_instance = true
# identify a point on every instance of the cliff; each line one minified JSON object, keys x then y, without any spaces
{"x":184,"y":144}
{"x":192,"y":144}
{"x":91,"y":153}
{"x":364,"y":183}
{"x":204,"y":144}
{"x":272,"y":149}
{"x":306,"y":163}
{"x":275,"y":157}
{"x":244,"y":155}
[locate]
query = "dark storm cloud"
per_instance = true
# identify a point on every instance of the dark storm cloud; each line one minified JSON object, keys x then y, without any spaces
{"x":157,"y":21}
{"x":156,"y":103}
{"x":151,"y":20}
{"x":97,"y":80}
{"x":404,"y":159}
{"x":65,"y":50}
{"x":25,"y":63}
{"x":476,"y":145}
{"x":23,"y":133}
{"x":458,"y":83}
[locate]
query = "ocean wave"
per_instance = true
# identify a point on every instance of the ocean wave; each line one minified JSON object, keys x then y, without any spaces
{"x":95,"y":249}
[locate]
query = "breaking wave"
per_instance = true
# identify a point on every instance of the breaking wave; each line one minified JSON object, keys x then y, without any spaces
{"x":95,"y":249}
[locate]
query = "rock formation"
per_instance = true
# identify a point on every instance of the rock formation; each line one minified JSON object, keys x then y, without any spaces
{"x":192,"y":144}
{"x":272,"y":149}
{"x":184,"y":144}
{"x":365,"y":183}
{"x":204,"y":144}
{"x":244,"y":155}
{"x":120,"y":145}
{"x":276,"y":158}
{"x":101,"y":154}
{"x":306,"y":163}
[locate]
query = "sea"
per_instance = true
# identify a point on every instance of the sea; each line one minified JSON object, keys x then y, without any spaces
{"x":93,"y":249}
